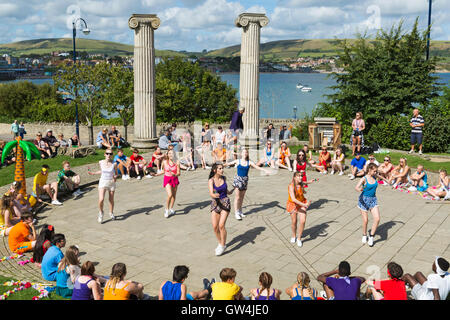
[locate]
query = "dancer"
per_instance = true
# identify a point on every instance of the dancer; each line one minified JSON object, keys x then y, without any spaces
{"x":240,"y":181}
{"x":296,"y":206}
{"x":368,"y":202}
{"x":220,"y":205}
{"x":171,"y":171}
{"x":108,"y":171}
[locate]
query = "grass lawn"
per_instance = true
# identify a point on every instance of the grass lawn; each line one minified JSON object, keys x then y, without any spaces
{"x":412,"y":161}
{"x":26,"y":294}
{"x":34,"y":166}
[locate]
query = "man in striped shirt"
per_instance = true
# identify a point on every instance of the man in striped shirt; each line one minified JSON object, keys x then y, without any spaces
{"x":417,"y":124}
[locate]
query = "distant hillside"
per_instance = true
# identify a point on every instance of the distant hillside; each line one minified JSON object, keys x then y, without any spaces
{"x":46,"y":46}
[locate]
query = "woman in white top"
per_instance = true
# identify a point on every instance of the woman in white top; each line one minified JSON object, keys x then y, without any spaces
{"x":107,"y":182}
{"x":442,"y":190}
{"x":338,"y":162}
{"x":358,"y":126}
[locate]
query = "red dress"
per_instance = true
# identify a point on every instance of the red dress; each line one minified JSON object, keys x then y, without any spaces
{"x":302,"y":169}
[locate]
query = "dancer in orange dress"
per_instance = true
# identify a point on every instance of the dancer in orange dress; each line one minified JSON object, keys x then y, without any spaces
{"x":296,"y":206}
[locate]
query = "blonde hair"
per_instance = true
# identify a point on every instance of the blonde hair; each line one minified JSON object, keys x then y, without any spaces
{"x":303,"y":281}
{"x":70,"y":258}
{"x":118,"y":272}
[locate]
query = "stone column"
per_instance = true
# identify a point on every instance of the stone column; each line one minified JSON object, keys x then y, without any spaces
{"x":145,"y":136}
{"x":251,"y":24}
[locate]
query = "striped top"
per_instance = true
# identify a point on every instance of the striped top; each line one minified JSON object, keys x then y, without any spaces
{"x":417,"y":120}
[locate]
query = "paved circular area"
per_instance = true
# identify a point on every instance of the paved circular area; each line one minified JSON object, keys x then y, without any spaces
{"x":412,"y":232}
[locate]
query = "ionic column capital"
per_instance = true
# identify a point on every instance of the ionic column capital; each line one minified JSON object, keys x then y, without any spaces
{"x":150,"y":19}
{"x":245,"y":18}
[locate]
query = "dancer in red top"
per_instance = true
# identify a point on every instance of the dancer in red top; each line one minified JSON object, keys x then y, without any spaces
{"x":171,"y":171}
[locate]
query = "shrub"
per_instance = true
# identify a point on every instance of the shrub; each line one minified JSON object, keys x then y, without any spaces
{"x":394,"y":133}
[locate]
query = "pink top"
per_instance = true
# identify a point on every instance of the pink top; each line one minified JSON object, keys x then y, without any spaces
{"x":170,"y":168}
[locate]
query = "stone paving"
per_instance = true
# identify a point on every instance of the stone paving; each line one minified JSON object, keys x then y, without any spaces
{"x":412,"y":231}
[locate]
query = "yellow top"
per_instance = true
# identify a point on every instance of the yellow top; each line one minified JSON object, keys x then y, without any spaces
{"x":118,"y":294}
{"x":224,"y":290}
{"x":39,"y":179}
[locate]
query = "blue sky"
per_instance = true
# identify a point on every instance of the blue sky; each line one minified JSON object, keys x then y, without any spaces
{"x":194,"y":25}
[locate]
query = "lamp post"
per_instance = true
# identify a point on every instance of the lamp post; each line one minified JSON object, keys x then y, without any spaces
{"x":86,"y":31}
{"x":295,"y":112}
{"x":429,"y":31}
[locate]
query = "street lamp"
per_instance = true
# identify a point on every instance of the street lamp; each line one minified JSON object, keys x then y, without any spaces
{"x":429,"y":30}
{"x":86,"y":31}
{"x":295,"y":112}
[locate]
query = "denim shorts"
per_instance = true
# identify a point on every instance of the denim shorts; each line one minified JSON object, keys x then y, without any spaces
{"x":416,"y":137}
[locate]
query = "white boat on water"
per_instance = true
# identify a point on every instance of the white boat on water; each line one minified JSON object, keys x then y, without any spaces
{"x":306,"y":89}
{"x":299,"y":85}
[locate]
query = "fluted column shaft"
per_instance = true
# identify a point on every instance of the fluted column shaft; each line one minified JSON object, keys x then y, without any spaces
{"x":145,"y":136}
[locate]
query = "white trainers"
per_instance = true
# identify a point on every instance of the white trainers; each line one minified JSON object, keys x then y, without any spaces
{"x":56,"y":203}
{"x":166,"y":213}
{"x":149,"y":176}
{"x":112,"y":216}
{"x":237,"y":215}
{"x":220,"y":249}
{"x":171,"y":212}
{"x":293,"y":240}
{"x":325,"y":172}
{"x":241,"y":214}
{"x":139,"y":177}
{"x":420,"y":152}
{"x":290,"y":169}
{"x":124,"y":177}
{"x":364,"y":239}
{"x":411,"y":151}
{"x":352,"y":177}
{"x":370,"y":242}
{"x":412,"y":189}
{"x":332,"y":171}
{"x":341,"y":173}
{"x":299,"y":243}
{"x":100,"y":217}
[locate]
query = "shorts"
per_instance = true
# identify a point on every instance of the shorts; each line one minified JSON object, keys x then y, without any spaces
{"x":292,"y":207}
{"x":64,"y":292}
{"x":416,"y":137}
{"x":172,"y":181}
{"x":420,"y":292}
{"x":23,"y":247}
{"x":189,"y":297}
{"x":217,"y":205}
{"x":367,"y":203}
{"x":107,"y":184}
{"x":240,"y":182}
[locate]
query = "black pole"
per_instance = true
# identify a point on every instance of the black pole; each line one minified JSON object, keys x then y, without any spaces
{"x":77,"y":124}
{"x":429,"y":30}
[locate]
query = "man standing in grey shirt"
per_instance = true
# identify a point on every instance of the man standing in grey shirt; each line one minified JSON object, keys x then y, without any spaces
{"x":416,"y":124}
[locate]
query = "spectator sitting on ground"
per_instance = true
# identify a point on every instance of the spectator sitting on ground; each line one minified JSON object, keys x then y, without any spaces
{"x":117,"y":288}
{"x":219,"y":154}
{"x":157,"y":159}
{"x":218,"y":137}
{"x":69,"y":181}
{"x":264,"y":292}
{"x":227,"y":289}
{"x":42,"y":146}
{"x":268,"y":158}
{"x":341,"y":286}
{"x":20,"y":204}
{"x":173,"y":136}
{"x":164,"y":141}
{"x":52,"y":142}
{"x":8,"y":159}
{"x":357,"y":166}
{"x":435,"y":287}
{"x":442,"y":190}
{"x":103,"y":141}
{"x":87,"y":286}
{"x":22,"y":237}
{"x":123,"y":165}
{"x":338,"y":162}
{"x":301,"y":290}
{"x":385,"y":170}
{"x":371,"y":160}
{"x":400,"y":174}
{"x":52,"y":257}
{"x":43,"y":242}
{"x":136,"y":164}
{"x":64,"y":284}
{"x":392,"y":288}
{"x":115,"y":137}
{"x":284,"y":156}
{"x":419,"y":180}
{"x":7,"y":219}
{"x":62,"y":142}
{"x":40,"y":186}
{"x":324,"y":161}
{"x":176,"y":289}
{"x":308,"y":154}
{"x":74,"y":141}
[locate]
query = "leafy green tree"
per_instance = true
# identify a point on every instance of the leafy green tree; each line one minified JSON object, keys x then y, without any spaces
{"x":185,"y":92}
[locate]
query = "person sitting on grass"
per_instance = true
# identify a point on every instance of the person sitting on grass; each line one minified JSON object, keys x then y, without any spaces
{"x":324,"y":161}
{"x":338,"y":284}
{"x":442,"y":190}
{"x":52,"y":257}
{"x":52,"y":142}
{"x":357,"y":166}
{"x":227,"y":289}
{"x":338,"y":162}
{"x":400,"y":174}
{"x":115,"y":137}
{"x":301,"y":290}
{"x":392,"y":289}
{"x":74,"y":142}
{"x":69,"y":181}
{"x":43,"y":242}
{"x":64,"y":284}
{"x":385,"y":171}
{"x":176,"y":289}
{"x":40,"y":186}
{"x":371,"y":159}
{"x":284,"y":156}
{"x":137,"y":164}
{"x":123,"y":165}
{"x":435,"y":287}
{"x":22,"y":237}
{"x":103,"y":141}
{"x":264,"y":292}
{"x":7,"y":218}
{"x":117,"y":288}
{"x":87,"y":286}
{"x":42,"y":146}
{"x":419,"y":180}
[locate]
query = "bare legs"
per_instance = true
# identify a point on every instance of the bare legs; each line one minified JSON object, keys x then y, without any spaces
{"x":300,"y":216}
{"x":239,"y":199}
{"x":171,"y":195}
{"x":101,"y":198}
{"x":376,"y":220}
{"x":218,"y":223}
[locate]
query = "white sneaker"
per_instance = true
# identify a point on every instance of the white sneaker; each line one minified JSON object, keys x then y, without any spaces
{"x":420,"y":152}
{"x":290,"y":169}
{"x":370,"y":242}
{"x":237,"y":215}
{"x":171,"y":212}
{"x":412,"y":189}
{"x":364,"y":239}
{"x":139,"y":177}
{"x":124,"y":177}
{"x":332,"y":171}
{"x":112,"y":216}
{"x":299,"y":243}
{"x":411,"y":151}
{"x":293,"y":240}
{"x":341,"y":173}
{"x":100,"y":217}
{"x":149,"y":176}
{"x":207,"y":167}
{"x":352,"y":177}
{"x":325,"y":172}
{"x":241,"y":214}
{"x":56,"y":203}
{"x":220,"y":249}
{"x":166,"y":213}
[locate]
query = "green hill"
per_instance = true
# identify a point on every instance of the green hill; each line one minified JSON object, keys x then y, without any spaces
{"x":46,"y":46}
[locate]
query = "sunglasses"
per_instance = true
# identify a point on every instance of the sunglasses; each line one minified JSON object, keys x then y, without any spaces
{"x":371,"y":158}
{"x":108,"y":153}
{"x":386,"y":160}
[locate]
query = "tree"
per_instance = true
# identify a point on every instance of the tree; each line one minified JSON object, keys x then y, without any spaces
{"x":185,"y":92}
{"x":383,"y":77}
{"x":84,"y":84}
{"x":118,"y":91}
